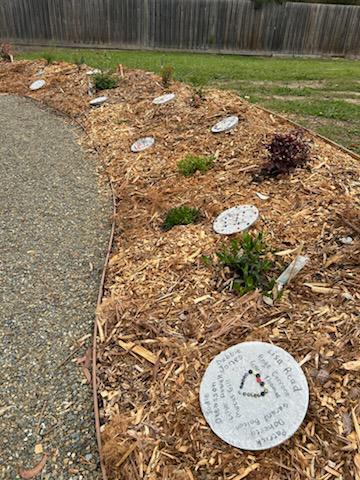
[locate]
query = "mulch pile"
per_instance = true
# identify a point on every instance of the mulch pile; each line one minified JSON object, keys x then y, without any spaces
{"x":166,"y":313}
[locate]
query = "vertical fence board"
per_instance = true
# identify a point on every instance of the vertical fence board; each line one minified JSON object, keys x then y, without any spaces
{"x":204,"y":25}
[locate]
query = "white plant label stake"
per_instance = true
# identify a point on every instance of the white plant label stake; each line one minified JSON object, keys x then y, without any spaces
{"x":254,"y":395}
{"x":37,"y":85}
{"x":225,"y":124}
{"x":98,"y":101}
{"x":236,"y":219}
{"x":142,"y":144}
{"x":164,"y":99}
{"x":93,"y":72}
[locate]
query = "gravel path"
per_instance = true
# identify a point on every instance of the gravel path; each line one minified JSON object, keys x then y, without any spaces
{"x":54,"y":226}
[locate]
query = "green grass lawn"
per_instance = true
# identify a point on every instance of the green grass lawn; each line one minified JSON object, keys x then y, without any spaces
{"x":322,"y":94}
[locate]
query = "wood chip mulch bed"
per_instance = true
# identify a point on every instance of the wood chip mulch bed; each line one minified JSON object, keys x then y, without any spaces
{"x":166,"y":313}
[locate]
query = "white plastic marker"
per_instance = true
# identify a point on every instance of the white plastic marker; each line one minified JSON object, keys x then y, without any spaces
{"x":292,"y":270}
{"x":225,"y":124}
{"x":164,"y":99}
{"x":254,"y":395}
{"x":262,"y":196}
{"x":93,"y":72}
{"x":37,"y":85}
{"x":142,"y":144}
{"x":98,"y":101}
{"x":236,"y":219}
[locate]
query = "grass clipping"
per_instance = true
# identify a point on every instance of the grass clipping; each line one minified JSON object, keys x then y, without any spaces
{"x":166,"y":313}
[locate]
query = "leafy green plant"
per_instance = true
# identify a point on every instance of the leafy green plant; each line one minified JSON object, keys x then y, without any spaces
{"x":105,"y":81}
{"x":79,"y":60}
{"x":180,"y":216}
{"x":166,"y":72}
{"x":49,"y":57}
{"x":192,"y":163}
{"x":247,"y":261}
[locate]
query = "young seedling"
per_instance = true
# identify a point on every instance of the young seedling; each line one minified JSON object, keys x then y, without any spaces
{"x":192,"y":163}
{"x":180,"y":216}
{"x":104,"y":81}
{"x":49,"y":57}
{"x":166,"y":72}
{"x":248,"y":264}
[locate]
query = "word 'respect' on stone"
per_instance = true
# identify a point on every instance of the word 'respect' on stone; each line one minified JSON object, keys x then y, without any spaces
{"x":254,"y":395}
{"x":236,"y":219}
{"x":164,"y":99}
{"x":37,"y":85}
{"x":142,"y":144}
{"x":98,"y":101}
{"x":225,"y":124}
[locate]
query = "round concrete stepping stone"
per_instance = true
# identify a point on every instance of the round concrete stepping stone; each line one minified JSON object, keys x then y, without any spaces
{"x":254,"y":395}
{"x":142,"y":144}
{"x":225,"y":124}
{"x":164,"y":99}
{"x":98,"y":101}
{"x":37,"y":85}
{"x":236,"y":219}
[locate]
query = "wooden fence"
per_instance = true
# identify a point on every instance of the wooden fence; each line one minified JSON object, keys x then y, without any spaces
{"x":229,"y":26}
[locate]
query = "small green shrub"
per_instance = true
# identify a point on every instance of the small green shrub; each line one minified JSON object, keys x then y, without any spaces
{"x":192,"y":163}
{"x":180,"y":216}
{"x":166,"y":72}
{"x":105,"y":81}
{"x":79,"y":61}
{"x":49,"y":57}
{"x":248,"y":263}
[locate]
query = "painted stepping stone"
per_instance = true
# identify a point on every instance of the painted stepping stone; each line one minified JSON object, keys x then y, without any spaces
{"x":37,"y":85}
{"x":142,"y":144}
{"x":235,"y":219}
{"x":164,"y":99}
{"x":225,"y":124}
{"x":98,"y":101}
{"x":254,"y":395}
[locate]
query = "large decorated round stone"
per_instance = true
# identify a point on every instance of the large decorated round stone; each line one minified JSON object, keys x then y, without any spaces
{"x":98,"y":101}
{"x":37,"y":85}
{"x":164,"y":99}
{"x":236,"y":219}
{"x":225,"y":124}
{"x":254,"y":395}
{"x":142,"y":144}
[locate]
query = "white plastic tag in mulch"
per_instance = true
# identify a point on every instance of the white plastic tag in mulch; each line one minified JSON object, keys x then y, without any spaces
{"x":236,"y":219}
{"x":37,"y":85}
{"x":164,"y":99}
{"x":254,"y":395}
{"x":142,"y":144}
{"x":93,"y":72}
{"x":225,"y":124}
{"x":262,"y":196}
{"x":292,"y":270}
{"x":98,"y":101}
